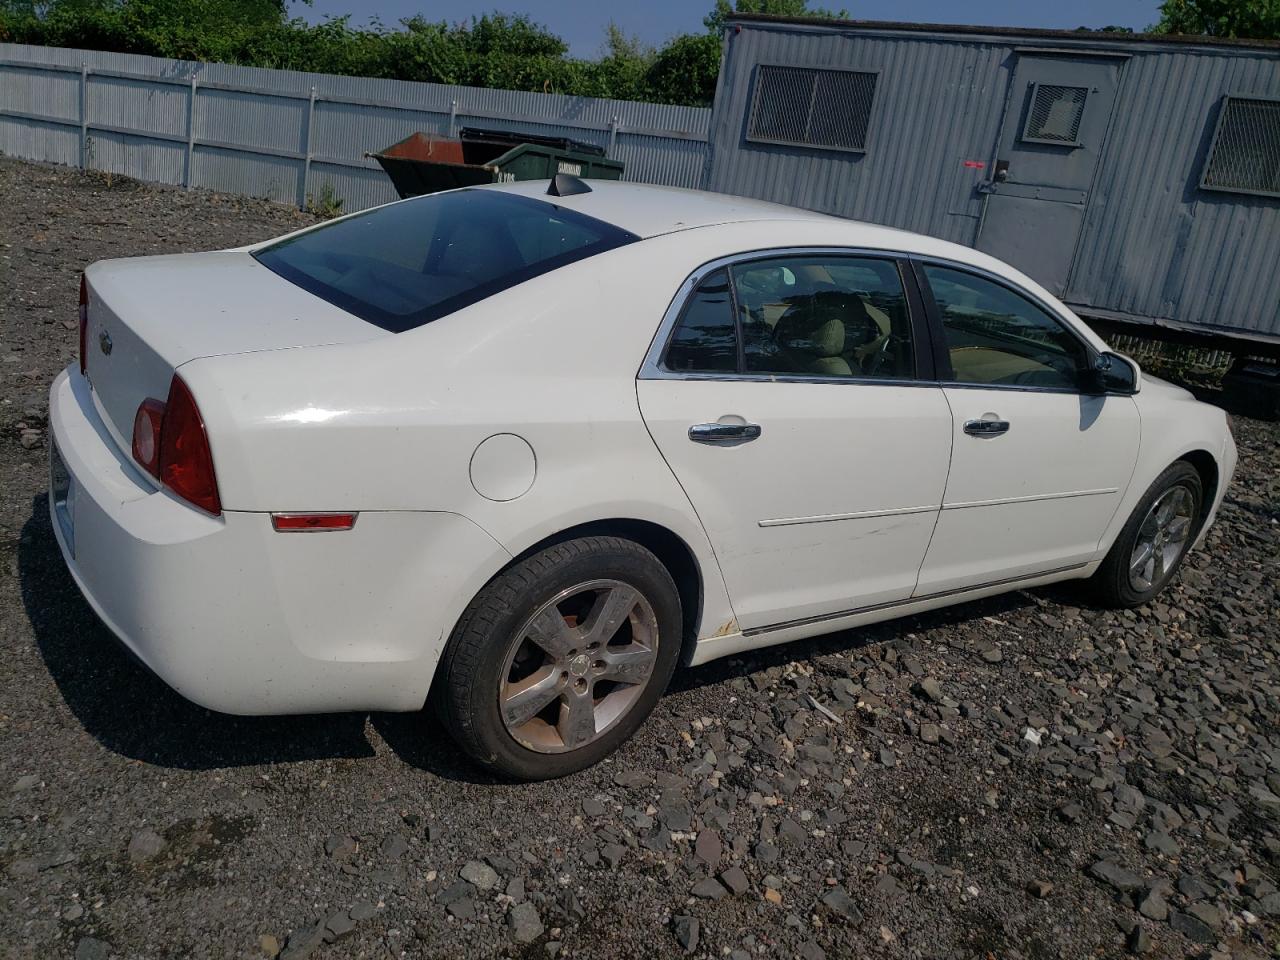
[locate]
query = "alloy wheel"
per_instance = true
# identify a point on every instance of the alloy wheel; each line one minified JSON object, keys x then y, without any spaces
{"x":578,"y":665}
{"x":1162,"y":538}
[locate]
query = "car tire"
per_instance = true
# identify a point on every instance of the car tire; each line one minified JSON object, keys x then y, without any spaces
{"x":1128,"y":578}
{"x":588,"y":624}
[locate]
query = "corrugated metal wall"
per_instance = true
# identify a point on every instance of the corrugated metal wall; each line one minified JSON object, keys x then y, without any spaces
{"x":1153,"y":246}
{"x":261,"y":133}
{"x":1154,"y":243}
{"x":936,"y":105}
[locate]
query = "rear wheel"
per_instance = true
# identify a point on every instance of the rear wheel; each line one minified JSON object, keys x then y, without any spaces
{"x":1155,"y":540}
{"x":560,"y":658}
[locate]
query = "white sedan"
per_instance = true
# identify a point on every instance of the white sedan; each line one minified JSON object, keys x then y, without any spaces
{"x":533,"y":448}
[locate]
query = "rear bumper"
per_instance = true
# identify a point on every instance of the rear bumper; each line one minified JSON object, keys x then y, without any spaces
{"x":241,"y":619}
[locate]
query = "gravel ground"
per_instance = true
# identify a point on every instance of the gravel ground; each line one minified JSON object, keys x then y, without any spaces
{"x":1020,"y":777}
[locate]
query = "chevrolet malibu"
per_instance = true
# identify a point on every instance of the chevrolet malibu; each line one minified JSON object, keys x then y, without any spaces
{"x":528,"y":450}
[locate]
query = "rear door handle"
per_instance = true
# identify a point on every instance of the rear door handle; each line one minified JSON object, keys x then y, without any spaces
{"x":986,"y":428}
{"x":723,"y":432}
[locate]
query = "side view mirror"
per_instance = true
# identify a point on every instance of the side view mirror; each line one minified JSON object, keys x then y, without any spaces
{"x":1112,"y":373}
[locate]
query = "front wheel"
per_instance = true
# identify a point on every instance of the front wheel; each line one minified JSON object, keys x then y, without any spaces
{"x":560,"y":658}
{"x":1154,"y":542}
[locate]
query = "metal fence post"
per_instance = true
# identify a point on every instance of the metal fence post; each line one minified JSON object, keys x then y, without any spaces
{"x":188,"y":174}
{"x":306,"y":161}
{"x":84,"y":116}
{"x":613,"y":134}
{"x":453,"y":118}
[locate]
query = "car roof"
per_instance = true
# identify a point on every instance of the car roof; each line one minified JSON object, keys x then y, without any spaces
{"x":649,"y":211}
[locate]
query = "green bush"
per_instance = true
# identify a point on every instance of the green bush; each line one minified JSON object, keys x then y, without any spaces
{"x":496,"y":50}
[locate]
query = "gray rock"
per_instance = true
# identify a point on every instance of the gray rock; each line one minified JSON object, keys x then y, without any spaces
{"x":735,"y":879}
{"x":632,"y":778}
{"x":1207,"y":913}
{"x":675,"y":813}
{"x":303,"y":943}
{"x":929,"y":689}
{"x":686,"y":930}
{"x":394,"y":846}
{"x":1116,"y":876}
{"x":838,"y":901}
{"x":1191,"y":927}
{"x":479,"y":874}
{"x":1071,"y":812}
{"x":526,"y":925}
{"x":1153,"y":906}
{"x":792,"y":832}
{"x":464,"y":909}
{"x":810,"y":950}
{"x":1161,"y":842}
{"x":593,"y":807}
{"x":708,"y":889}
{"x":454,"y":892}
{"x":515,"y":889}
{"x":90,"y":948}
{"x":1192,"y":888}
{"x":708,"y":848}
{"x":362,"y":910}
{"x":340,"y":848}
{"x":1139,"y":941}
{"x":1040,"y":889}
{"x":29,"y":782}
{"x":613,"y":854}
{"x":146,"y":845}
{"x":887,"y":885}
{"x":339,"y":926}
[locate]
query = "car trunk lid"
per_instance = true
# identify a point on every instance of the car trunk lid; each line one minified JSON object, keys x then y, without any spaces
{"x":148,"y":316}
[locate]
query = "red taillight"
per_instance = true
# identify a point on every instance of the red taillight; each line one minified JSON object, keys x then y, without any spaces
{"x":84,"y":322}
{"x":146,"y":435}
{"x":169,"y":442}
{"x":186,"y":462}
{"x":300,"y":522}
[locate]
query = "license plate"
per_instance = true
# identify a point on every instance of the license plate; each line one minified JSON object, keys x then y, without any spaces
{"x":62,"y":485}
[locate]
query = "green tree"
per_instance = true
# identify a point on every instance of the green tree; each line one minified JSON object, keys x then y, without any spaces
{"x":495,"y":50}
{"x":685,"y":70}
{"x":1238,"y":19}
{"x":782,"y":8}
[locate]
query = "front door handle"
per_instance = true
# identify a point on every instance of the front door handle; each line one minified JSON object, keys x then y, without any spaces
{"x":986,"y":428}
{"x":723,"y":432}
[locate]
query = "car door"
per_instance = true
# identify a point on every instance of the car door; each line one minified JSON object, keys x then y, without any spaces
{"x":793,"y":398}
{"x":1038,"y":465}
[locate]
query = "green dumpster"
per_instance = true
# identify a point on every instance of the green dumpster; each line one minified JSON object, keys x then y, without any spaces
{"x":422,"y":163}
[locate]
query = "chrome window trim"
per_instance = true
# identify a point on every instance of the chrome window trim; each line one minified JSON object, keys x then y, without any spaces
{"x":653,"y":368}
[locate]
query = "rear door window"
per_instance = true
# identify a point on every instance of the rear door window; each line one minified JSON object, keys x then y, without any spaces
{"x":406,"y":264}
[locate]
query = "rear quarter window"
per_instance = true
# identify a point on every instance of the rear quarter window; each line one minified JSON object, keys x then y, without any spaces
{"x":406,"y":264}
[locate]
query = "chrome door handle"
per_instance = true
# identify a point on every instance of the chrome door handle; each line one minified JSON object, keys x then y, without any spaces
{"x":723,"y":432}
{"x":986,"y":428}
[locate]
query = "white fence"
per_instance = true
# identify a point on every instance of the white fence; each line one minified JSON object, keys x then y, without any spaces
{"x":285,"y":135}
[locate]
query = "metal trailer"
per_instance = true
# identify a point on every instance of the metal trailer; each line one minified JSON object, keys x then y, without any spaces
{"x":1137,"y":177}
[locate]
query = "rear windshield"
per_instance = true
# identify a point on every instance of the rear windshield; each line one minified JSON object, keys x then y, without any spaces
{"x":406,"y":264}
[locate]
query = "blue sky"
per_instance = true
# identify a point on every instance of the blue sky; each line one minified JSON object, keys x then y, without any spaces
{"x":582,"y":24}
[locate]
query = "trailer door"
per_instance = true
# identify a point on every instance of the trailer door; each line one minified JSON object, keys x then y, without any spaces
{"x":1055,"y":123}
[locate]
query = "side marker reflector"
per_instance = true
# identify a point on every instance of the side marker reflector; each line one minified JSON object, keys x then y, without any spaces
{"x":303,"y":522}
